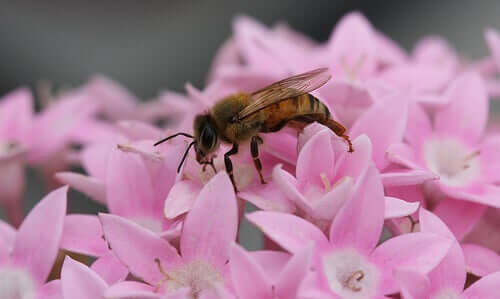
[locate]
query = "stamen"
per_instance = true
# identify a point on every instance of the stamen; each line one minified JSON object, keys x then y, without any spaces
{"x":470,"y":157}
{"x":326,"y":181}
{"x":355,"y":277}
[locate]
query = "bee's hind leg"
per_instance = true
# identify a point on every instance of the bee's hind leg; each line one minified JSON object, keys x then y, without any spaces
{"x":229,"y":164}
{"x":254,"y":149}
{"x":339,"y":130}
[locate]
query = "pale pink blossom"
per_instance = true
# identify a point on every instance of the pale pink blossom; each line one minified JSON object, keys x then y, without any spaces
{"x":349,"y":263}
{"x":201,"y":266}
{"x":26,"y":260}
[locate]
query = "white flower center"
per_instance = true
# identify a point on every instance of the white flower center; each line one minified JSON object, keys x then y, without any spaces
{"x":456,"y":164}
{"x":350,"y":274}
{"x":196,"y":275}
{"x":16,"y":284}
{"x":447,"y":293}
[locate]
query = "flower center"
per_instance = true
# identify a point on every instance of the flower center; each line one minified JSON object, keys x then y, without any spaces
{"x":16,"y":284}
{"x":350,"y":274}
{"x":456,"y":164}
{"x":196,"y":275}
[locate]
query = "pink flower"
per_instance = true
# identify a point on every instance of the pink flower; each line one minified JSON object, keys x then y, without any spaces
{"x":16,"y":116}
{"x":205,"y":243}
{"x":448,"y":278}
{"x":453,"y":148}
{"x":350,"y":264}
{"x":26,"y":261}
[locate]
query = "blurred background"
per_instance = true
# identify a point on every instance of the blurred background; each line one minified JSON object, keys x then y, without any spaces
{"x":149,"y":46}
{"x":157,"y":44}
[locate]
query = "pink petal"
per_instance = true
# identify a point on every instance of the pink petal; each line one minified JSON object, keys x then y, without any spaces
{"x":459,"y":216}
{"x":348,"y":99}
{"x":288,"y":185}
{"x":7,"y":234}
{"x":419,"y":125}
{"x":268,"y":197}
{"x":110,"y":268}
{"x":249,"y":279}
{"x":129,"y":188}
{"x":450,"y":273}
{"x":419,"y":78}
{"x":413,"y":285}
{"x":436,"y":51}
{"x":353,"y":43}
{"x":95,"y":159}
{"x":329,"y":204}
{"x":43,"y":225}
{"x":83,"y":234}
{"x":467,"y":113}
{"x":89,"y":186}
{"x":479,"y":260}
{"x":137,"y":130}
{"x":289,"y":231}
{"x":316,"y":157}
{"x":407,"y":177}
{"x":12,"y":187}
{"x":353,"y":164}
{"x":116,"y":102}
{"x":402,"y":154}
{"x":51,"y":290}
{"x":395,"y":207}
{"x":272,"y":262}
{"x":420,"y":252}
{"x":485,"y":288}
{"x":79,"y":282}
{"x":388,"y":51}
{"x":359,"y":223}
{"x":134,"y":290}
{"x":385,"y":124}
{"x":181,"y":198}
{"x":137,"y":248}
{"x":290,"y":279}
{"x":206,"y":236}
{"x":16,"y":109}
{"x":490,"y":159}
{"x":484,"y":194}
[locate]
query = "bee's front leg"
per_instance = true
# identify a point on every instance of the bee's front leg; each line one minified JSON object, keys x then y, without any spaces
{"x":254,"y":149}
{"x":229,"y":164}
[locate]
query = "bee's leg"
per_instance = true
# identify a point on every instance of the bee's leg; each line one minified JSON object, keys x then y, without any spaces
{"x":229,"y":165}
{"x":339,"y":130}
{"x":254,"y":149}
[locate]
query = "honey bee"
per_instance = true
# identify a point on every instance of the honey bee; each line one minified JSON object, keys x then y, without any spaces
{"x":242,"y":116}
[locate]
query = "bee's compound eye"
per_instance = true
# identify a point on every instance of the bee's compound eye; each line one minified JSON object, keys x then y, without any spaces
{"x":208,"y":138}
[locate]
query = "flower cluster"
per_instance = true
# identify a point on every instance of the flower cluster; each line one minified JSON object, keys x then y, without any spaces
{"x":411,"y":213}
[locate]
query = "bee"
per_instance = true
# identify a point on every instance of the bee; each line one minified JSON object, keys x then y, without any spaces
{"x":242,"y":116}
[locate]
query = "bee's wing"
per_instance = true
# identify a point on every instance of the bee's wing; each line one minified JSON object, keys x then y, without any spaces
{"x":284,"y":89}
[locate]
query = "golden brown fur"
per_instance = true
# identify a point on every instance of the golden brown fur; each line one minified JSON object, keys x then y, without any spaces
{"x":304,"y":109}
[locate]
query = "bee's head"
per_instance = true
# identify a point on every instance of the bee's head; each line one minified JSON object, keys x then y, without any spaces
{"x":205,"y":137}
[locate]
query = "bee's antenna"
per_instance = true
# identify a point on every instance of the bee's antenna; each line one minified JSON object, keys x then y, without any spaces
{"x":185,"y":155}
{"x":173,"y":136}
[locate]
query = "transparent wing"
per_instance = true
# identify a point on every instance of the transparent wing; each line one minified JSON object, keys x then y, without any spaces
{"x":284,"y":89}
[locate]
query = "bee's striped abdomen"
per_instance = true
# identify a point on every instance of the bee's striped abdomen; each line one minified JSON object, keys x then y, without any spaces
{"x":305,"y":108}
